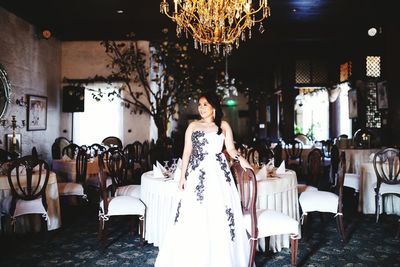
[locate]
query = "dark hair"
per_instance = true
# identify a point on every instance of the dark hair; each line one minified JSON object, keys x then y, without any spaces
{"x":215,"y":102}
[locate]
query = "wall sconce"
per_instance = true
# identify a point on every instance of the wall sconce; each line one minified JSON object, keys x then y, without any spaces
{"x":13,"y":125}
{"x":21,"y":102}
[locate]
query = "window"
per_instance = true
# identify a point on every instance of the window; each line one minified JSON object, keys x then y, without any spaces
{"x":312,"y":113}
{"x":101,"y":119}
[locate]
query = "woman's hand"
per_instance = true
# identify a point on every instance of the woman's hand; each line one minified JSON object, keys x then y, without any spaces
{"x":182,"y":183}
{"x":245,"y":164}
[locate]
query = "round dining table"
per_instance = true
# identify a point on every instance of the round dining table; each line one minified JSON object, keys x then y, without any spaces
{"x":161,"y":199}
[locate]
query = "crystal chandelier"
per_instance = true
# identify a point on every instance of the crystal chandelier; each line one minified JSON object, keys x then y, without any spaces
{"x":227,"y":88}
{"x":216,"y":24}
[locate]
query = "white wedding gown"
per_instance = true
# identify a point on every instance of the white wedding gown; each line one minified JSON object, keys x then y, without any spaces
{"x":208,"y":229}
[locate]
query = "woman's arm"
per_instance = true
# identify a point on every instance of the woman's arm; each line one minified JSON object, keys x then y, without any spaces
{"x":187,"y":151}
{"x":230,"y":146}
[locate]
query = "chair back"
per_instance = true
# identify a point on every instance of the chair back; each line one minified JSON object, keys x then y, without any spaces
{"x":81,"y":165}
{"x":96,"y":149}
{"x":146,"y":155}
{"x":340,"y":180}
{"x":293,"y":150}
{"x":115,"y":163}
{"x":253,"y":157}
{"x":58,"y":146}
{"x":302,"y":138}
{"x":247,"y":186}
{"x":134,"y":152}
{"x":315,"y":167}
{"x":70,"y":150}
{"x":28,"y":177}
{"x":386,"y":165}
{"x":103,"y":180}
{"x":112,"y":141}
{"x":327,"y":148}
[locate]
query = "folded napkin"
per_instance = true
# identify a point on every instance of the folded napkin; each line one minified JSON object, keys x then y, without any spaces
{"x":157,"y":172}
{"x":161,"y":167}
{"x":262,"y":173}
{"x":281,"y":169}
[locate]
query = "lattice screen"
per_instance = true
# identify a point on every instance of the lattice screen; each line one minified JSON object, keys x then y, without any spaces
{"x":373,"y":115}
{"x":373,"y":66}
{"x":303,"y":71}
{"x":319,"y":73}
{"x":311,"y":72}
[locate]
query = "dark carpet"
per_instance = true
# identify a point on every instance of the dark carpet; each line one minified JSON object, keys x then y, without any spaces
{"x":76,"y":244}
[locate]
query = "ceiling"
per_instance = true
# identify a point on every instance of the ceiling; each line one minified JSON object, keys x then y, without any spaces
{"x":292,"y":22}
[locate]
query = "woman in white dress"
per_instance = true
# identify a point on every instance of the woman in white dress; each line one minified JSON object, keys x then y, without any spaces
{"x":208,"y":228}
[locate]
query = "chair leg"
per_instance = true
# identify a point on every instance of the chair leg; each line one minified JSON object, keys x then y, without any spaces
{"x":304,"y":223}
{"x":398,"y":231}
{"x":253,"y":245}
{"x":141,"y":229}
{"x":377,"y":207}
{"x":340,"y":225}
{"x":266,"y":240}
{"x":294,"y":245}
{"x":102,"y":233}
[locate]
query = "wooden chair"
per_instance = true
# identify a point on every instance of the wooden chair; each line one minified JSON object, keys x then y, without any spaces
{"x":112,"y":141}
{"x":70,"y":150}
{"x":117,"y":205}
{"x":293,"y":151}
{"x":315,"y":172}
{"x":77,"y":187}
{"x":58,"y":146}
{"x":262,"y":223}
{"x":116,"y":166}
{"x":146,"y":155}
{"x":323,"y":201}
{"x":6,"y":155}
{"x":302,"y":138}
{"x":134,"y":161}
{"x":27,"y":177}
{"x":387,"y":169}
{"x":96,"y":149}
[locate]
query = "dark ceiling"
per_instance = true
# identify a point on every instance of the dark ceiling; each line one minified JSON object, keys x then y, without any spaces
{"x":314,"y":23}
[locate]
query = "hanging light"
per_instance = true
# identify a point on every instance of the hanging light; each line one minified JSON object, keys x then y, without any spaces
{"x":227,"y":87}
{"x":216,"y":25}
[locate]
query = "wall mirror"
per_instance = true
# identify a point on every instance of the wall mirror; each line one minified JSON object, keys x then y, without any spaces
{"x":5,"y":90}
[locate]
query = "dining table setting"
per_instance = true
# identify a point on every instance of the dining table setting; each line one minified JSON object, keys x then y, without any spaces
{"x":277,"y":190}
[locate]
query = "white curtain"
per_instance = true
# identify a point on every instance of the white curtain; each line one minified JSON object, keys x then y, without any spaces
{"x":101,"y":119}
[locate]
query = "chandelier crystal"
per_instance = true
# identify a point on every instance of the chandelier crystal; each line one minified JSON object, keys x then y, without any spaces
{"x":216,"y":24}
{"x":227,"y":87}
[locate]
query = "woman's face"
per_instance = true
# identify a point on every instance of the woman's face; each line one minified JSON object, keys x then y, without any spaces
{"x":205,"y":108}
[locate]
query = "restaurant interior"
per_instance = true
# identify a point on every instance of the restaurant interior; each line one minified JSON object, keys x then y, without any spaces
{"x":95,"y":98}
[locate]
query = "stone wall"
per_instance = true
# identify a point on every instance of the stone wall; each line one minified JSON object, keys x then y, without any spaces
{"x":34,"y":67}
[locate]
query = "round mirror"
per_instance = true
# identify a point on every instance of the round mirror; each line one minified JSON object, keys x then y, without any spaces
{"x":5,"y":89}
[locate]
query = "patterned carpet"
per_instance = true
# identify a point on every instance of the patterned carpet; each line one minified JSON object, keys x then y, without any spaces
{"x":76,"y":244}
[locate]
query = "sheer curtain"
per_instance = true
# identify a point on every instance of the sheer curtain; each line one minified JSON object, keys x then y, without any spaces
{"x":316,"y":114}
{"x":101,"y":119}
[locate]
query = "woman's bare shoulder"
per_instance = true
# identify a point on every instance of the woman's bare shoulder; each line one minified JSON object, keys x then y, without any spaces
{"x":193,"y":125}
{"x":225,"y":124}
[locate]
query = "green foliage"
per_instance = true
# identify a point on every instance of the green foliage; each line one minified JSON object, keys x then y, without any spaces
{"x":297,"y":129}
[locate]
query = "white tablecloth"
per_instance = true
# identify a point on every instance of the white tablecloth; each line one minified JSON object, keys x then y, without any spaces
{"x":279,"y":194}
{"x":356,"y":157}
{"x":66,"y":169}
{"x":367,"y":193}
{"x":161,"y":199}
{"x":24,"y":223}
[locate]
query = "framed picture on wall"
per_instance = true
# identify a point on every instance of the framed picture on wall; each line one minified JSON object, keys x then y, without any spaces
{"x":37,"y":113}
{"x":382,"y":97}
{"x":13,"y":143}
{"x":353,"y":113}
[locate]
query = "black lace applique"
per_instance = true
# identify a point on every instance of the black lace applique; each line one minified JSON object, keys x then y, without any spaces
{"x":231,"y":221}
{"x":200,"y":187}
{"x":224,"y":167}
{"x":177,"y":211}
{"x":198,"y":142}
